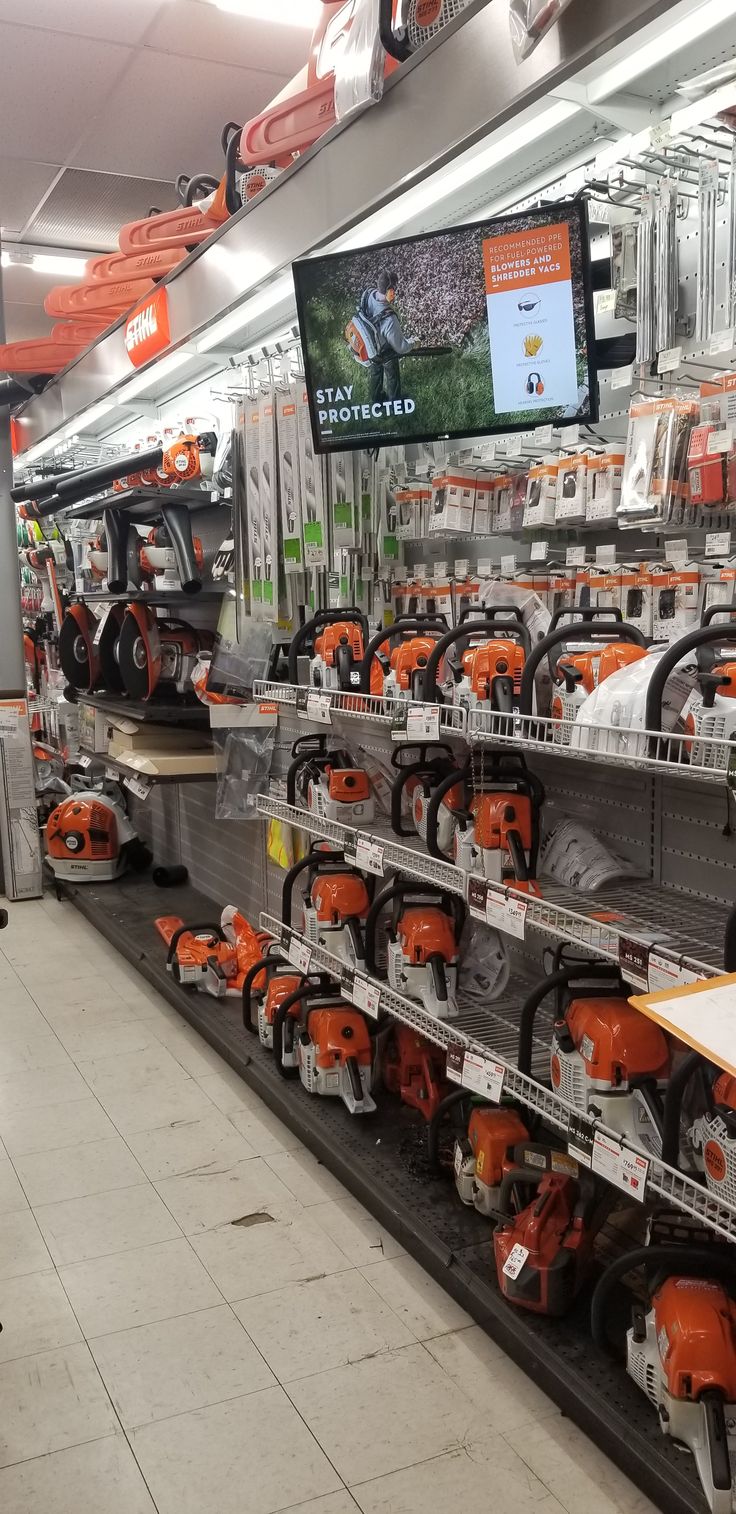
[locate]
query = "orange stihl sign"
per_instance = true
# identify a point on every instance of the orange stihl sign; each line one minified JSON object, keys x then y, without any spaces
{"x":147,"y":328}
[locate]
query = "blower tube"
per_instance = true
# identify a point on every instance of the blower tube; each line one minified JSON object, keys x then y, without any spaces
{"x":170,"y":877}
{"x":73,"y":486}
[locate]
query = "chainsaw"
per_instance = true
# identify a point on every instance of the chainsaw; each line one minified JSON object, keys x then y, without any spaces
{"x":269,"y":981}
{"x":681,"y":1352}
{"x":422,"y":952}
{"x":328,"y":784}
{"x":89,"y":838}
{"x":396,"y":659}
{"x":415,"y":1070}
{"x":482,"y":1151}
{"x":334,"y":642}
{"x":328,"y":1043}
{"x":606,"y":1059}
{"x":487,"y":672}
{"x":486,"y":816}
{"x":710,"y":719}
{"x":544,"y":1253}
{"x":157,"y":655}
{"x":700,"y":1123}
{"x":335,"y":904}
{"x":583,"y":664}
{"x":215,"y":959}
{"x":406,"y":25}
{"x":420,"y":770}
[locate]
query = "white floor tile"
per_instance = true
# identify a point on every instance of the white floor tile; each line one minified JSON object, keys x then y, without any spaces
{"x":248,"y":1260}
{"x":178,"y":1365}
{"x":311,"y":1327}
{"x":573,"y":1468}
{"x":36,"y":1316}
{"x":253,"y":1453}
{"x":309,"y":1181}
{"x":113,"y":1293}
{"x":190,"y":1049}
{"x":332,"y":1503}
{"x":12,"y":1197}
{"x":219,"y":1197}
{"x":507,"y":1397}
{"x":103,"y":1224}
{"x":189,"y":1147}
{"x":76,"y":1171}
{"x":262,"y":1130}
{"x":36,"y":1090}
{"x":152,"y":1108}
{"x":388,"y":1412}
{"x":459,"y":1480}
{"x":99,"y":1478}
{"x":26,"y":1050}
{"x":22,"y":1248}
{"x":55,"y":1127}
{"x":423,"y":1306}
{"x":355,"y":1231}
{"x":51,"y":1400}
{"x":228,"y":1091}
{"x":131,"y":1072}
{"x":87,"y":1042}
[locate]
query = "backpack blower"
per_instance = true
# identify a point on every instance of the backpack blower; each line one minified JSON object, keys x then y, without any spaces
{"x":710,"y":720}
{"x":89,"y":838}
{"x":334,"y":641}
{"x":610,"y":643}
{"x":487,"y":672}
{"x":544,"y":1253}
{"x":328,"y":1043}
{"x":420,"y":770}
{"x":681,"y":1352}
{"x":482,"y":1152}
{"x":335,"y":904}
{"x":396,"y":659}
{"x":422,"y":952}
{"x":486,"y":815}
{"x":328,"y":784}
{"x":606,"y":1058}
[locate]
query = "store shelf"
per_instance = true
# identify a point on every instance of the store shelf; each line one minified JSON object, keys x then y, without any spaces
{"x":162,"y":711}
{"x":144,"y":505}
{"x":124,"y":770}
{"x":449,"y":720}
{"x":686,"y":931}
{"x":704,"y":761}
{"x":157,"y":597}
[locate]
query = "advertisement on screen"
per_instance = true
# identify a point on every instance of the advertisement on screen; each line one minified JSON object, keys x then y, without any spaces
{"x":478,"y":330}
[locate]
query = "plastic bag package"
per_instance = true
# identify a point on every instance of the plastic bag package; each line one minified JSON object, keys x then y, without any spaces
{"x":530,"y":20}
{"x":485,"y":968}
{"x":359,"y":68}
{"x":572,"y":854}
{"x":243,"y":770}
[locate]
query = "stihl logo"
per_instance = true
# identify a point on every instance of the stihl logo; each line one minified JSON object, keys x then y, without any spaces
{"x":147,"y":330}
{"x":429,"y":11}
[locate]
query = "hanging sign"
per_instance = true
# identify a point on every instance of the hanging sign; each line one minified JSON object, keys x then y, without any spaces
{"x":147,"y":331}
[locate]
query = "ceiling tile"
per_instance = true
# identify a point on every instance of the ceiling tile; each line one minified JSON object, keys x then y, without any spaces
{"x":195,"y":29}
{"x":87,"y":209}
{"x":69,"y":76}
{"x":109,"y":20}
{"x":22,"y":186}
{"x":151,"y":126}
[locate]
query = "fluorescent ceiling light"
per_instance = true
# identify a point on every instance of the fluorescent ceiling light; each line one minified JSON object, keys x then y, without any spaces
{"x":152,"y":376}
{"x":41,"y":262}
{"x":87,"y":418}
{"x":274,"y":294}
{"x":302,"y":13}
{"x":663,"y":44}
{"x":702,"y":110}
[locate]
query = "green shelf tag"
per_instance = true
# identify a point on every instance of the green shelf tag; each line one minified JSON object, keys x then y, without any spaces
{"x":343,"y":514}
{"x":292,"y":549}
{"x":313,"y":533}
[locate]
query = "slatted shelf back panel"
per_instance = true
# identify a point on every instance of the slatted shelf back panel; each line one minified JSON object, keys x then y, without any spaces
{"x":698,"y":828}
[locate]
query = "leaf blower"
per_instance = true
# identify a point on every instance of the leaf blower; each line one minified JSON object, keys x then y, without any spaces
{"x":487,"y":672}
{"x":422,"y":951}
{"x":328,"y":1043}
{"x":158,"y":655}
{"x":328,"y":784}
{"x":396,"y":659}
{"x":188,"y":460}
{"x":593,"y":649}
{"x":335,"y":904}
{"x":681,"y":1352}
{"x":711,"y":719}
{"x":486,"y":816}
{"x":215,"y":959}
{"x":158,"y":558}
{"x":482,"y":1152}
{"x":606,"y":1058}
{"x":334,"y":642}
{"x":89,"y":838}
{"x":544,"y":1253}
{"x":406,"y":25}
{"x":414,"y":1070}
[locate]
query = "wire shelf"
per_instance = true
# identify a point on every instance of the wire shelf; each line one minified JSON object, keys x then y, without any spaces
{"x":450,"y":719}
{"x":705,"y":759}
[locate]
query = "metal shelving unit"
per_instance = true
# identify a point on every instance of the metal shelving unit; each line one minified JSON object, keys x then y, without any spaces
{"x":145,"y":780}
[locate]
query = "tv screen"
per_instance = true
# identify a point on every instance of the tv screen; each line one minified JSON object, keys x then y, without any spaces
{"x":468,"y":332}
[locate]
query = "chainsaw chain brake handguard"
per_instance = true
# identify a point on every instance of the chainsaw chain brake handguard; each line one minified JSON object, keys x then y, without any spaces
{"x":422,"y":767}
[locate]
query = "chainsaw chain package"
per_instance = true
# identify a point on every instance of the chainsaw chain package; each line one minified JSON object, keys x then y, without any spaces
{"x":290,"y":479}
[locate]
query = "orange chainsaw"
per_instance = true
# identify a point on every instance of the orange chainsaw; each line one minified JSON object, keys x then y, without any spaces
{"x":334,"y":642}
{"x":396,"y":658}
{"x":335,"y":904}
{"x":328,"y":1043}
{"x":212,"y":958}
{"x":489,"y":661}
{"x":328,"y":784}
{"x":486,"y":816}
{"x":420,"y":952}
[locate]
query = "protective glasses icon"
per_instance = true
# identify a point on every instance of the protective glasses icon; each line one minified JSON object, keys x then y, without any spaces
{"x":528,"y":305}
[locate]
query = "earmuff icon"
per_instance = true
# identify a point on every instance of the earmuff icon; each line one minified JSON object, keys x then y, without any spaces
{"x":534,"y":384}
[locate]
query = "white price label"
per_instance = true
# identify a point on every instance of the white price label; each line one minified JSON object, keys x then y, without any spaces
{"x":461,"y":568}
{"x":721,"y":341}
{"x":506,"y":915}
{"x":543,"y":436}
{"x":669,"y":359}
{"x":606,"y":302}
{"x":440,"y":571}
{"x":319,"y":708}
{"x":569,"y":436}
{"x":513,"y":446}
{"x":718,"y":544}
{"x":300,"y":955}
{"x":720,"y":441}
{"x":98,"y":633}
{"x":663,"y":972}
{"x":369,"y":855}
{"x":539,"y":551}
{"x":8,"y":721}
{"x":623,"y":378}
{"x":660,"y":135}
{"x":677,"y":552}
{"x":138,"y":787}
{"x":419,"y":571}
{"x":575,"y":557}
{"x":515,"y":1261}
{"x":607,"y":1157}
{"x":605,"y":555}
{"x":489,"y":452}
{"x":366,"y":996}
{"x":112,"y":774}
{"x":484,"y":567}
{"x":458,"y":1159}
{"x":423,"y":722}
{"x":508,"y":565}
{"x":626,"y":1169}
{"x":634,"y":1174}
{"x":85,"y":762}
{"x":482,"y":1075}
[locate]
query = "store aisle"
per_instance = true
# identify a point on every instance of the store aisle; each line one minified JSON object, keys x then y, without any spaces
{"x":197,"y":1317}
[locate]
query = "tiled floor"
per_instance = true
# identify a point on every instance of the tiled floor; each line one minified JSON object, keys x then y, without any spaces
{"x":197,"y":1317}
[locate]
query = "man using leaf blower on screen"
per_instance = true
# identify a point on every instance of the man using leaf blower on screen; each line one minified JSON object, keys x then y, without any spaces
{"x":377,"y":305}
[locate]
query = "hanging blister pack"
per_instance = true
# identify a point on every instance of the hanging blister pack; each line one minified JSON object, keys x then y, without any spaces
{"x":342,"y":499}
{"x":666,"y":264}
{"x":730,"y":299}
{"x":269,"y":505}
{"x":289,"y":480}
{"x":313,"y":494}
{"x":705,"y":308}
{"x":253,"y":505}
{"x":645,"y":313}
{"x":623,"y":260}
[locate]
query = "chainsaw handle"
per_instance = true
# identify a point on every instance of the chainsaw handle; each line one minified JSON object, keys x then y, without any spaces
{"x":702,"y":636}
{"x":231,"y":149}
{"x":310,"y":627}
{"x":396,"y":47}
{"x":201,"y":184}
{"x":674,"y":1095}
{"x":587,"y":614}
{"x":261,"y":966}
{"x":709,"y":615}
{"x":178,"y":523}
{"x":405,"y":623}
{"x":670,"y":1260}
{"x":559,"y":979}
{"x":428,"y":768}
{"x":184,"y":930}
{"x":491,"y":612}
{"x":312,"y":859}
{"x":458,"y":776}
{"x":283,"y":1014}
{"x":492,"y":630}
{"x":457,"y":1096}
{"x":616,"y":630}
{"x":509,"y":1182}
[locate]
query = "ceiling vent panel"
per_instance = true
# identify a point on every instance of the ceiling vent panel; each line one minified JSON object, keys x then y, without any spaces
{"x":87,"y":209}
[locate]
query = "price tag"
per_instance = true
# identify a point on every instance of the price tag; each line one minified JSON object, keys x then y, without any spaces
{"x":575,"y":557}
{"x":319,"y":707}
{"x":300,"y":954}
{"x":489,"y":452}
{"x":454,"y":1063}
{"x":569,"y":436}
{"x":720,"y":441}
{"x":605,"y":555}
{"x":138,"y":787}
{"x":623,"y":378}
{"x":580,"y":1135}
{"x":660,"y":135}
{"x":506,"y":915}
{"x":8,"y":719}
{"x":669,"y":359}
{"x":633,"y":959}
{"x":664,"y":973}
{"x":606,"y":302}
{"x":539,"y":551}
{"x":477,"y":894}
{"x":508,"y":565}
{"x":482,"y":1075}
{"x":84,"y":762}
{"x":606,"y":1159}
{"x":677,"y":552}
{"x":458,"y":1159}
{"x":626,"y":1169}
{"x":423,"y":722}
{"x":543,"y":436}
{"x":634,"y":1174}
{"x":515,"y":1261}
{"x":718,"y":544}
{"x":100,"y":628}
{"x":721,"y":341}
{"x":419,"y":571}
{"x":369,"y":855}
{"x":513,"y":446}
{"x":366,"y":995}
{"x":461,"y":568}
{"x":484,"y":567}
{"x":112,"y":774}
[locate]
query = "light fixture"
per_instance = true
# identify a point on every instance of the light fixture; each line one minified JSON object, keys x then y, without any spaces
{"x":273,"y":294}
{"x":42,"y":262}
{"x":301,"y":13}
{"x":662,"y":44}
{"x":153,"y":376}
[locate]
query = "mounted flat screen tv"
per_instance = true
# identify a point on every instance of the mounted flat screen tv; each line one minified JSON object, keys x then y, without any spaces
{"x":468,"y":332}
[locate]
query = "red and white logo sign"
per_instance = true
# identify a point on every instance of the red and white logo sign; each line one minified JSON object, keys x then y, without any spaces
{"x":147,"y":330}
